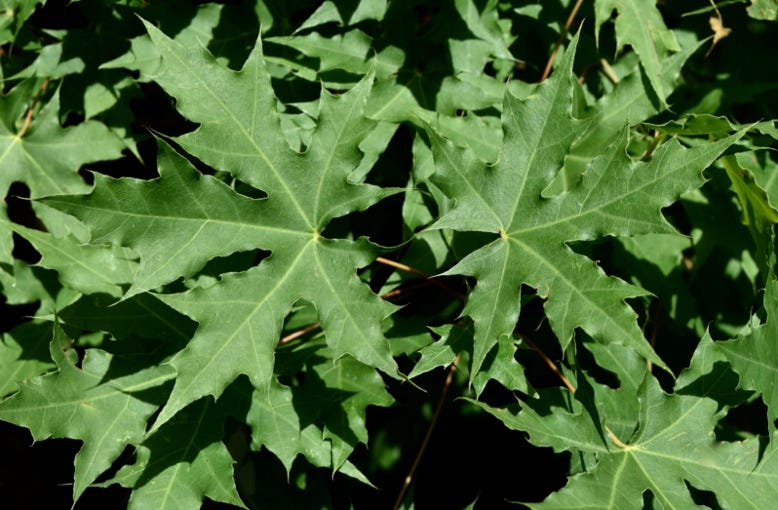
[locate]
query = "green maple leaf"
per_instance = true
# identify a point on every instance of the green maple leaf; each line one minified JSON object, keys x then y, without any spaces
{"x":85,"y":403}
{"x":615,"y":196}
{"x":183,"y":219}
{"x":323,"y":418}
{"x":84,"y":268}
{"x":640,"y":24}
{"x":754,"y":355}
{"x":37,"y":151}
{"x":24,"y":353}
{"x":181,"y":463}
{"x":673,"y":443}
{"x":347,"y":12}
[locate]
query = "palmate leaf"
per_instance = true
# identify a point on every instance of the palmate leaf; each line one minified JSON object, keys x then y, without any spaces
{"x":43,"y":155}
{"x":87,"y":269}
{"x":615,"y":196}
{"x":754,"y":355}
{"x":639,"y":24}
{"x":85,"y":403}
{"x":180,"y":464}
{"x":323,"y":418}
{"x":24,"y":353}
{"x":183,"y":219}
{"x":674,"y":443}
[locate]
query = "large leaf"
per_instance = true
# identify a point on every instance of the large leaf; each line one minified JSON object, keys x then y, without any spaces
{"x":323,"y":418}
{"x":615,"y":197}
{"x":85,"y":268}
{"x":36,"y":151}
{"x":241,"y":317}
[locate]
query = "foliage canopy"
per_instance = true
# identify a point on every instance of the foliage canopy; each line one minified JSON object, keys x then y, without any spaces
{"x":251,"y":251}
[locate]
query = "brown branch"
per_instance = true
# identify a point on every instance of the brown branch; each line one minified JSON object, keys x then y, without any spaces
{"x":548,"y":362}
{"x":561,"y":39}
{"x":28,"y":116}
{"x":650,"y":150}
{"x":392,"y":293}
{"x":300,"y":332}
{"x":430,"y":428}
{"x":430,"y":279}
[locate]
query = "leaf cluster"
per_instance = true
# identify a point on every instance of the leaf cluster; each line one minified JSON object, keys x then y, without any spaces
{"x":340,"y":254}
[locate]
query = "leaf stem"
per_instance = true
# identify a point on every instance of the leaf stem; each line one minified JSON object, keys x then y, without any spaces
{"x":28,"y":116}
{"x":548,"y":361}
{"x":608,"y":71}
{"x":657,"y":316}
{"x":392,"y":293}
{"x":618,"y":442}
{"x":654,"y":143}
{"x":409,"y":269}
{"x":559,"y":41}
{"x":300,"y":332}
{"x":425,"y":442}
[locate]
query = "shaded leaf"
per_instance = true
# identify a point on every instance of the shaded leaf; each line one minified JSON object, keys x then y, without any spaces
{"x":181,"y":463}
{"x":77,"y":403}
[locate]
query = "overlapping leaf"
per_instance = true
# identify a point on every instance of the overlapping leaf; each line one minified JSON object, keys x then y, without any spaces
{"x":240,"y":318}
{"x":323,"y":418}
{"x":79,"y":403}
{"x":639,"y":24}
{"x":183,"y":462}
{"x":755,"y":355}
{"x":674,"y":444}
{"x":37,"y":151}
{"x":615,"y":197}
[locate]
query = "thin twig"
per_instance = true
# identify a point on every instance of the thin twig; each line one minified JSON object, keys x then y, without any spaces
{"x":561,"y":39}
{"x":28,"y":116}
{"x":300,"y":332}
{"x":654,"y":331}
{"x":401,"y":290}
{"x":425,"y":442}
{"x":609,"y":72}
{"x":548,"y":361}
{"x":392,"y":293}
{"x":409,"y":269}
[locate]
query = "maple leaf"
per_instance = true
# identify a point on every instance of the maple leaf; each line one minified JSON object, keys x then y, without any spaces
{"x":615,"y":196}
{"x":85,"y":268}
{"x":753,"y":355}
{"x":181,"y":463}
{"x":240,"y":318}
{"x":639,"y":24}
{"x":86,"y":403}
{"x":37,"y":151}
{"x":24,"y":353}
{"x":323,"y":418}
{"x":673,"y":443}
